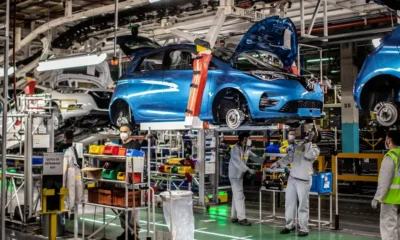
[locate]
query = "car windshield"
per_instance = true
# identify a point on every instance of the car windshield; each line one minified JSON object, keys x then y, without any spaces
{"x":250,"y":60}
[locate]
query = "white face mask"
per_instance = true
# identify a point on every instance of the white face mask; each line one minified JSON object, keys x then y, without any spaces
{"x":386,"y":145}
{"x":124,"y":136}
{"x":248,"y":143}
{"x":292,"y":137}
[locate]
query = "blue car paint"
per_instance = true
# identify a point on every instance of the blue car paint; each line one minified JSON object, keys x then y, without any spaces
{"x":266,"y":35}
{"x":169,"y":101}
{"x":383,"y":61}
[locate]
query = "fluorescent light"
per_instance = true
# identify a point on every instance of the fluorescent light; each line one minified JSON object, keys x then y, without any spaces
{"x":153,"y":1}
{"x":376,"y":42}
{"x":335,"y":71}
{"x":317,"y":60}
{"x":10,"y":71}
{"x":71,"y":62}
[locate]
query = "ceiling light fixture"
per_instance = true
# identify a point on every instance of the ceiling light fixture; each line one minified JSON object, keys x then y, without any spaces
{"x":376,"y":42}
{"x":10,"y":71}
{"x":71,"y":62}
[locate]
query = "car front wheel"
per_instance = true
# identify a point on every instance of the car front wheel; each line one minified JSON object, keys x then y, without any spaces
{"x":386,"y":114}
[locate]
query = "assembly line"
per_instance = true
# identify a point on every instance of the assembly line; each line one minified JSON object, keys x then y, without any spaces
{"x":200,"y":119}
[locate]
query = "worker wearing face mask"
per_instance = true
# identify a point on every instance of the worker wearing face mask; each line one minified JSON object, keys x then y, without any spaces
{"x":125,"y":132}
{"x":388,"y":192}
{"x":291,"y":140}
{"x":240,"y":153}
{"x":299,"y":183}
{"x":128,"y":143}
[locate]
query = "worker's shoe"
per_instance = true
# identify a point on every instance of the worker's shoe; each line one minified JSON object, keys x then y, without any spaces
{"x":122,"y":236}
{"x":302,"y":234}
{"x":234,"y":220}
{"x":286,"y":231}
{"x":244,"y":222}
{"x":132,"y":237}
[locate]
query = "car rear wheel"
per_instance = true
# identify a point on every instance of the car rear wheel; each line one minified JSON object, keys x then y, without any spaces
{"x":122,"y":114}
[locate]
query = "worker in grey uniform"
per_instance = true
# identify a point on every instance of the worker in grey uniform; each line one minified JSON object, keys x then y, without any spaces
{"x":299,"y":183}
{"x":240,"y":154}
{"x":388,"y":192}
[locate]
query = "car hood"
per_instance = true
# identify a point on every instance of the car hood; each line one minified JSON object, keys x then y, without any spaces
{"x":273,"y":34}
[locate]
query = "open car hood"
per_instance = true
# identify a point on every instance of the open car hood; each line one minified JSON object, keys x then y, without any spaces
{"x":275,"y":35}
{"x":130,"y":44}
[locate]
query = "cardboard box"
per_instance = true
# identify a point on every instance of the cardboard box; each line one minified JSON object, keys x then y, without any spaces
{"x":94,"y":173}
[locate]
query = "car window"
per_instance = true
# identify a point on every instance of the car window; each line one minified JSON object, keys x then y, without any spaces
{"x":180,"y":60}
{"x":63,"y":83}
{"x":153,"y":62}
{"x":39,"y":91}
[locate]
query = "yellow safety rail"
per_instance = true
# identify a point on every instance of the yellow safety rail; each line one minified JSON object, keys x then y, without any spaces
{"x":355,"y":177}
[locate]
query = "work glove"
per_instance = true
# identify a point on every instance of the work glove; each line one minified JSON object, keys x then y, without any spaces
{"x":252,"y":171}
{"x":275,"y":165}
{"x":374,"y":204}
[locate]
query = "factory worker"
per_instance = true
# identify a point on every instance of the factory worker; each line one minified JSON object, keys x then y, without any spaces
{"x":299,"y":183}
{"x":388,"y":192}
{"x":129,"y":143}
{"x":240,"y":153}
{"x":291,"y":140}
{"x":125,"y":132}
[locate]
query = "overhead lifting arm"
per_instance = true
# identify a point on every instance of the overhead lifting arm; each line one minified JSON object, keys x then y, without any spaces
{"x":200,"y":70}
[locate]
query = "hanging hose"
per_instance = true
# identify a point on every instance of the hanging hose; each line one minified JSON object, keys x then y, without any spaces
{"x":14,"y":57}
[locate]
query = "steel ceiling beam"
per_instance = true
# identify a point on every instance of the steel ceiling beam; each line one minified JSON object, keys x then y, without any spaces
{"x":63,"y":20}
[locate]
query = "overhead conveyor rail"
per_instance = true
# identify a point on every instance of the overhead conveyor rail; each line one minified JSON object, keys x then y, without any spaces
{"x":198,"y":19}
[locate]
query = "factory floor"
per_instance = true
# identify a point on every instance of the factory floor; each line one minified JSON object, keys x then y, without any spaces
{"x":357,"y":222}
{"x":214,"y":225}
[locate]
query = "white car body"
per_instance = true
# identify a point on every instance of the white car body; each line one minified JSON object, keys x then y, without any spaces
{"x":73,"y":96}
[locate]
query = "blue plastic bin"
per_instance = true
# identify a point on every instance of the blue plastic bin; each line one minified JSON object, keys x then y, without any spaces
{"x":324,"y":182}
{"x":314,"y":187}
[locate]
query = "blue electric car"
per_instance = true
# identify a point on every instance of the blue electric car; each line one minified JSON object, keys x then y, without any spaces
{"x":377,"y":87}
{"x":246,"y":86}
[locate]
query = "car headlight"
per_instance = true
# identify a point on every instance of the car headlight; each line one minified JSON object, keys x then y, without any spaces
{"x":268,"y":75}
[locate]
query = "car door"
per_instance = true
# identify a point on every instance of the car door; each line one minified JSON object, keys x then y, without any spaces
{"x":145,"y":87}
{"x":178,"y":77}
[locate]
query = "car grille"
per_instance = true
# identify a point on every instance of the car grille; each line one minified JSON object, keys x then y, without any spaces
{"x":293,"y":106}
{"x":101,"y":98}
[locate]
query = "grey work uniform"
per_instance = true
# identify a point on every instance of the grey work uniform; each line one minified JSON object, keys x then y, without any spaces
{"x":299,"y":183}
{"x":237,"y":168}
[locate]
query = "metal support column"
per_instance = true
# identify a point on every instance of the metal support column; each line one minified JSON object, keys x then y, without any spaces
{"x":202,"y":164}
{"x":350,"y":114}
{"x":4,"y":129}
{"x":314,"y":17}
{"x":302,"y":22}
{"x":325,"y":18}
{"x":28,"y":194}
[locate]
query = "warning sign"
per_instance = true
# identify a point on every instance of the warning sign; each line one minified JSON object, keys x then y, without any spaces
{"x":53,"y":163}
